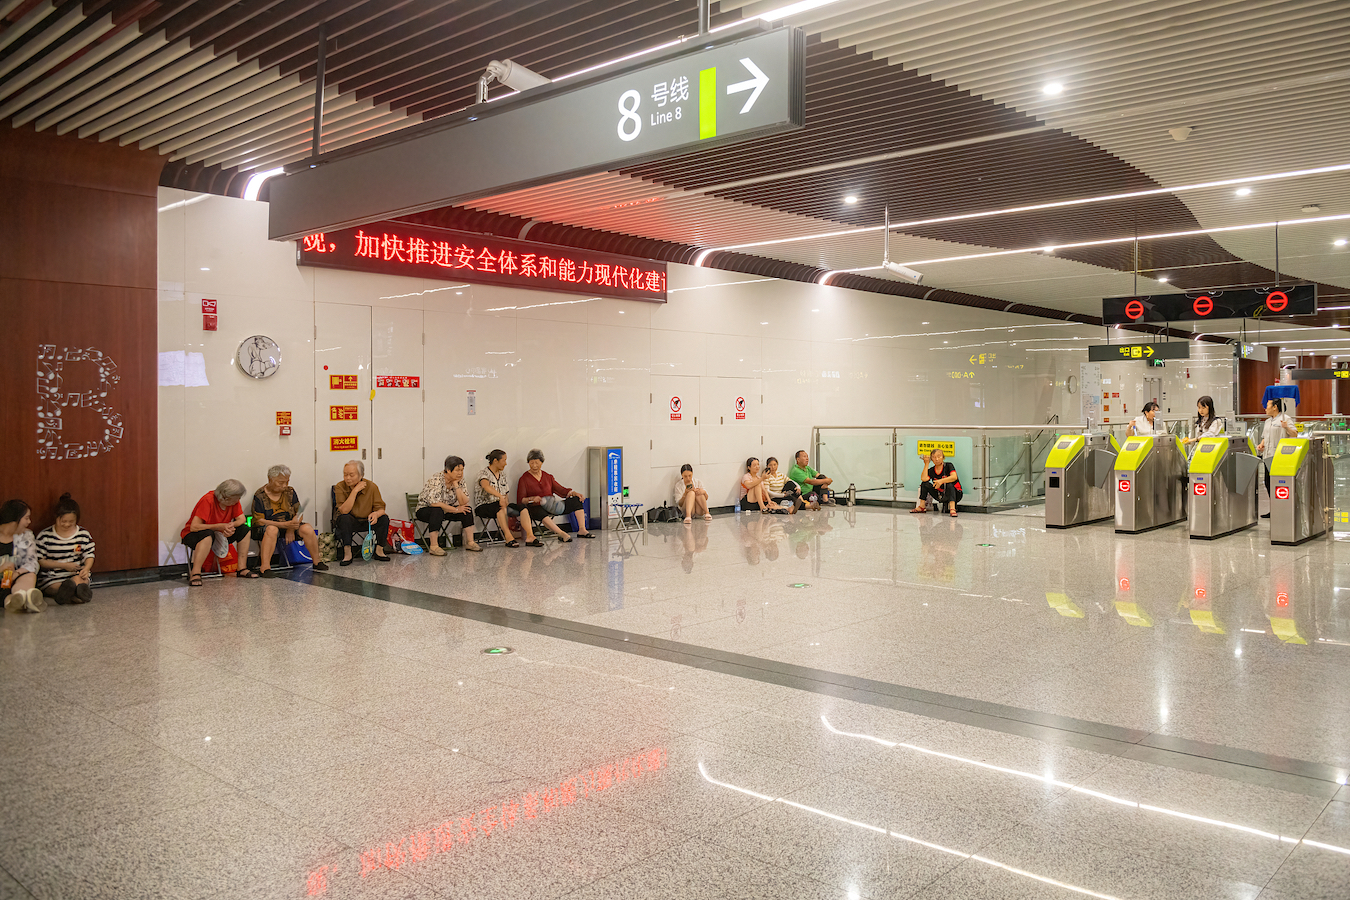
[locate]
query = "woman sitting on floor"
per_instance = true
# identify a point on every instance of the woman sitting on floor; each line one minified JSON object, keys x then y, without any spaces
{"x":66,"y":556}
{"x":18,"y":559}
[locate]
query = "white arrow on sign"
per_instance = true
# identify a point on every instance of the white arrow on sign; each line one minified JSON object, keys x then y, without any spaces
{"x":755,"y":85}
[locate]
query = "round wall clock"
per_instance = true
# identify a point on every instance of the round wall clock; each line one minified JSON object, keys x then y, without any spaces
{"x":259,"y":356}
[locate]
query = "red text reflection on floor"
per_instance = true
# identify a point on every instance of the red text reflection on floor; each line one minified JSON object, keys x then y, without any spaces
{"x":508,"y":814}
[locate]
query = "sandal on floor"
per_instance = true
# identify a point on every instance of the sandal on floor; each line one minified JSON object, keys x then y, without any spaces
{"x":588,"y":536}
{"x":708,"y":516}
{"x":919,"y":509}
{"x":953,"y":515}
{"x":534,"y":543}
{"x":195,"y":580}
{"x":565,"y":540}
{"x":513,"y":543}
{"x":246,"y":573}
{"x":473,"y":548}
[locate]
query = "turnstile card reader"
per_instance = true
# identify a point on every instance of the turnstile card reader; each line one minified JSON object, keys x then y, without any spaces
{"x":1223,"y":488}
{"x":1150,"y":483}
{"x":1078,"y":480}
{"x":1300,"y":490}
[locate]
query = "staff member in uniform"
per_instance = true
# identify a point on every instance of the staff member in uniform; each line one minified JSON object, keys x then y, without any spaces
{"x":1206,"y":423}
{"x":1143,"y":426}
{"x":1278,"y":425}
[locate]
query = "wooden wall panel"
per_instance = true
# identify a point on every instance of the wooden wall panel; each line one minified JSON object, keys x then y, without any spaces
{"x":1314,"y":396}
{"x":78,"y":305}
{"x":1254,"y":377}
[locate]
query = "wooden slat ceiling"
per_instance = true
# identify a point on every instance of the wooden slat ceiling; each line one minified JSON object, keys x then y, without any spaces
{"x":933,"y":108}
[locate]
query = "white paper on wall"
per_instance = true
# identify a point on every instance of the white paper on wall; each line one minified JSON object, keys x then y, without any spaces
{"x":1090,"y":392}
{"x":171,"y":368}
{"x":194,"y":371}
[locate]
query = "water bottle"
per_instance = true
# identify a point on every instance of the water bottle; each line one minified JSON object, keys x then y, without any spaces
{"x":852,"y":495}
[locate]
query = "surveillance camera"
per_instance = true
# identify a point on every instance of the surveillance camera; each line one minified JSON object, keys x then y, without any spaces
{"x":904,"y":273}
{"x":516,"y":76}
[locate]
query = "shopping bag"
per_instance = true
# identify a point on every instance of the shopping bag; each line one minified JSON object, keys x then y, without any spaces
{"x":328,"y":547}
{"x":296,"y":553}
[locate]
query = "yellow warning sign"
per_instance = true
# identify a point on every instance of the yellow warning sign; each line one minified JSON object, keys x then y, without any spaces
{"x":948,"y":448}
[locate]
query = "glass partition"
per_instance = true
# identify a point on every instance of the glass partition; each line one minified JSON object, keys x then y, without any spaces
{"x":999,"y":466}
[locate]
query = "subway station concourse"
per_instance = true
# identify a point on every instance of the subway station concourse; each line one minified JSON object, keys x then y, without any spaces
{"x":987,"y":542}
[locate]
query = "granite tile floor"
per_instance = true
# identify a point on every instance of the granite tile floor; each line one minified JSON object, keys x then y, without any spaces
{"x":652,"y":733}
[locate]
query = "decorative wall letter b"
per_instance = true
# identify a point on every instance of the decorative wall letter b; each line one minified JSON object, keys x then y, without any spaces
{"x":51,"y":401}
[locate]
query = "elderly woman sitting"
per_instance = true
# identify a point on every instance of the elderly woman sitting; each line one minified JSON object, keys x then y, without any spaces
{"x":276,"y":512}
{"x":219,"y":517}
{"x":541,"y":498}
{"x":359,"y":508}
{"x":443,"y":500}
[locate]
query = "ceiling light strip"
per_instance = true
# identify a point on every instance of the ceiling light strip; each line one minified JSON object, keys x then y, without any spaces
{"x":1121,"y":240}
{"x":1060,"y":204}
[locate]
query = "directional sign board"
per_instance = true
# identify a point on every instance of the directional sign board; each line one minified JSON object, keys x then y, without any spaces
{"x":1114,"y":352}
{"x":1258,"y":303}
{"x":709,"y":95}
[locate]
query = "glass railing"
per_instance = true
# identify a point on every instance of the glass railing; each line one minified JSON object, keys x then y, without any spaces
{"x":999,"y":466}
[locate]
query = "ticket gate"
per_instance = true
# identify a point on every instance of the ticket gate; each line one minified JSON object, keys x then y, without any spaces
{"x":1300,"y":490}
{"x":1078,"y":479}
{"x":1223,"y":488}
{"x":1150,"y":483}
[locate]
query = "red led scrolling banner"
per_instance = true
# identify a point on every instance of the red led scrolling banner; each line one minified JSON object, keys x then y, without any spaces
{"x":395,"y":248}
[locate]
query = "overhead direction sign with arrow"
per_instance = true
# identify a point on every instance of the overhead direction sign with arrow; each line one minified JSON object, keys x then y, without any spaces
{"x":593,"y":123}
{"x":1163,"y":350}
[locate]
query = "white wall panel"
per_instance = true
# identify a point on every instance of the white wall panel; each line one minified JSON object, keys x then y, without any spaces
{"x":563,"y":372}
{"x":396,"y":414}
{"x":342,"y":336}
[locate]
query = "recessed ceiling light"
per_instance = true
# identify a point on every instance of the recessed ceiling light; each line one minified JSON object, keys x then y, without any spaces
{"x":1243,"y":191}
{"x":851,"y":198}
{"x":1339,"y":242}
{"x":205,"y":269}
{"x":923,"y":323}
{"x":1053,"y":89}
{"x":1164,"y":278}
{"x":944,"y":342}
{"x":815,"y":310}
{"x":764,"y":323}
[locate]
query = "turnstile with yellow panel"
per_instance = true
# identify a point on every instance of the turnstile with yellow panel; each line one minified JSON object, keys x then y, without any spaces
{"x":1223,"y":488}
{"x":1078,"y":479}
{"x":1150,"y":483}
{"x":1300,"y":490}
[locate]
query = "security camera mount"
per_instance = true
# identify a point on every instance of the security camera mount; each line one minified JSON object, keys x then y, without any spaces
{"x":512,"y":74}
{"x":905,"y":273}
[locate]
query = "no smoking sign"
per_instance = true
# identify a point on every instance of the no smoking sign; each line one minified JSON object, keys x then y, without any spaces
{"x":740,"y":407}
{"x":675,"y":407}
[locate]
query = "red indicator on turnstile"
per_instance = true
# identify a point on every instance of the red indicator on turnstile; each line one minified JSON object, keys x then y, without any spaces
{"x":1277,"y":301}
{"x":1202,"y":306}
{"x":1282,"y":493}
{"x":1282,"y":599}
{"x":1134,"y":309}
{"x":1199,"y":593}
{"x":1124,"y":584}
{"x":1124,"y":485}
{"x":1200,"y":489}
